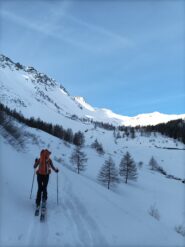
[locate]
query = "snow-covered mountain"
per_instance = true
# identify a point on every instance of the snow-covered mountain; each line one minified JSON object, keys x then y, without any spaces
{"x":146,"y":212}
{"x":28,"y":90}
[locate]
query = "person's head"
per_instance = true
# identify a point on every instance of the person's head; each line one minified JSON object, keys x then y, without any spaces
{"x":47,"y":153}
{"x":42,"y":152}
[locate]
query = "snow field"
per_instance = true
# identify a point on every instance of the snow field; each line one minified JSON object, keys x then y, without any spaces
{"x":88,"y":214}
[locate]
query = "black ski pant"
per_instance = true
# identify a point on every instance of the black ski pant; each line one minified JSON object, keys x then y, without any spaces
{"x":42,"y":188}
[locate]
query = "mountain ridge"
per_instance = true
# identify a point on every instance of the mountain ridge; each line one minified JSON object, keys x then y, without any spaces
{"x":36,"y":86}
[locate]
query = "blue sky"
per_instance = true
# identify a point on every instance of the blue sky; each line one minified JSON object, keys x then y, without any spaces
{"x":127,"y":56}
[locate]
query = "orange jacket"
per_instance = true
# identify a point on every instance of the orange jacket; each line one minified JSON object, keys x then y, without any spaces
{"x":44,"y":164}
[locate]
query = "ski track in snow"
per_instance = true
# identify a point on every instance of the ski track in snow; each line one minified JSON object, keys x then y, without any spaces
{"x":82,"y":223}
{"x":83,"y":229}
{"x":38,"y":232}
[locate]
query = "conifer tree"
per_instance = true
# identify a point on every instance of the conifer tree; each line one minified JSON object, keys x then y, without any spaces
{"x":153,"y":164}
{"x":69,"y":135}
{"x":132,"y":132}
{"x":98,"y":146}
{"x":108,"y":174}
{"x":127,"y":168}
{"x":79,"y":139}
{"x":78,"y":159}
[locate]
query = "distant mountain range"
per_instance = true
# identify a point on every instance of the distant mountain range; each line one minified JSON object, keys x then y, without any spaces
{"x":35,"y":94}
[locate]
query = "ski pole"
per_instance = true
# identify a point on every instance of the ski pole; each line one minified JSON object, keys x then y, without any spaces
{"x":57,"y":188}
{"x":32,"y":184}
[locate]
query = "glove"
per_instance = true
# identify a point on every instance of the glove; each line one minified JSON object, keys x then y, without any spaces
{"x":35,"y":165}
{"x":56,"y":170}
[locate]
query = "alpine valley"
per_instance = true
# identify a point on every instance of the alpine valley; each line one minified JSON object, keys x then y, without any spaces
{"x":38,"y":113}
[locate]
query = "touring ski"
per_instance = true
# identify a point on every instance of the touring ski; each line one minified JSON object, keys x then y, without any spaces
{"x":37,"y":211}
{"x":43,"y":211}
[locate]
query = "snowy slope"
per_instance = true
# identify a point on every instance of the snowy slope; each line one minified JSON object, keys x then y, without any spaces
{"x":88,"y":214}
{"x":28,"y":90}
